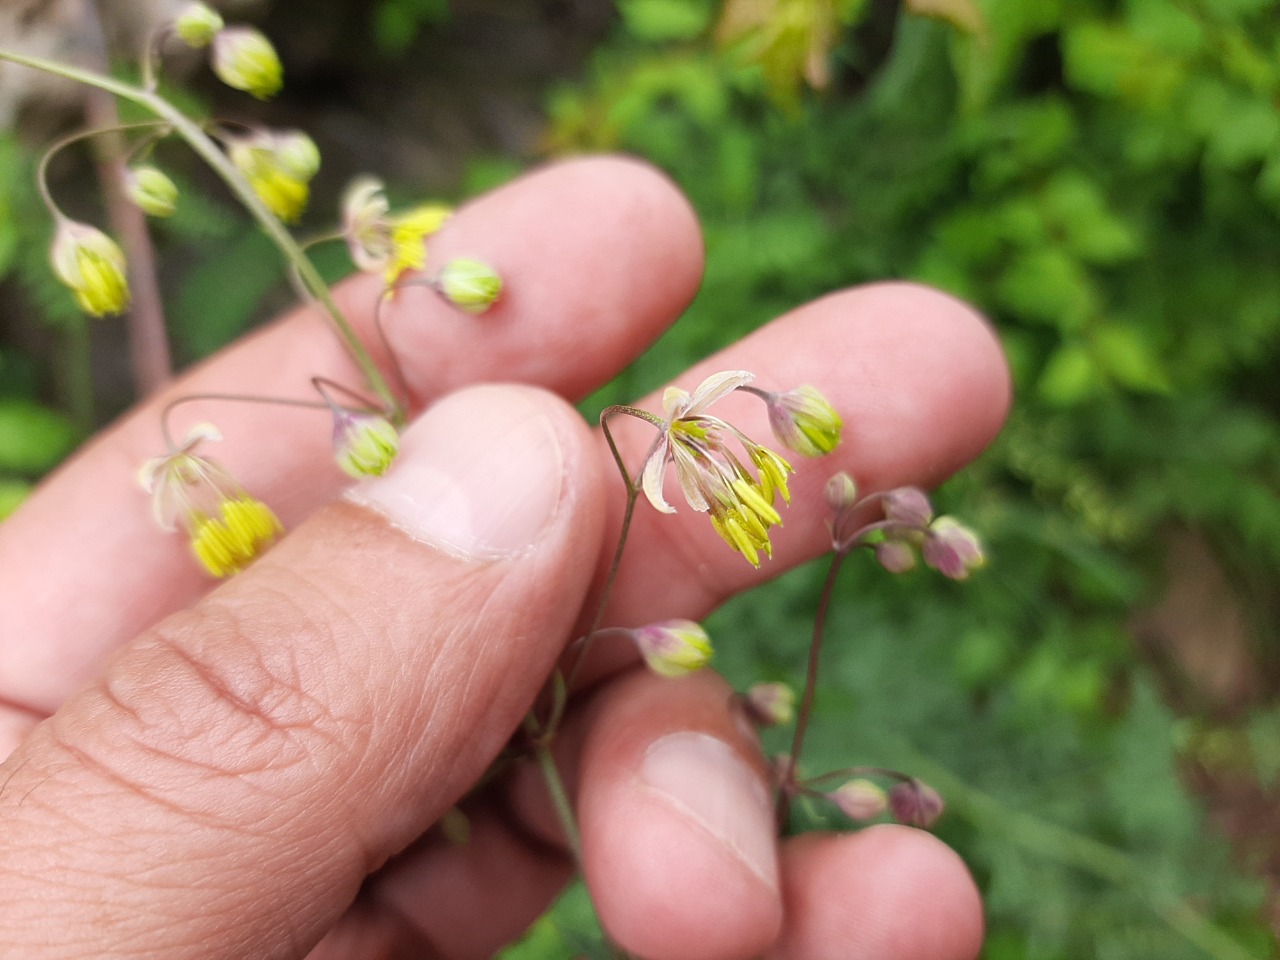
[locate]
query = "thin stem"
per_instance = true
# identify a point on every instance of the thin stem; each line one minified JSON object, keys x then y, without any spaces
{"x":555,"y":786}
{"x":205,"y":147}
{"x":810,"y":684}
{"x":42,"y":168}
{"x":233,"y":398}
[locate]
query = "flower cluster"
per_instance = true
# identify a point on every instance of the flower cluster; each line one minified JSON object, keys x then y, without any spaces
{"x":908,"y":527}
{"x":713,"y":478}
{"x":227,"y":528}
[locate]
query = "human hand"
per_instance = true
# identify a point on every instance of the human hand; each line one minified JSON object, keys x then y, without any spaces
{"x":253,"y":770}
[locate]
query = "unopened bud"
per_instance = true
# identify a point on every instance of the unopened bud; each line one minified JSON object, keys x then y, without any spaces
{"x":859,"y":799}
{"x":915,"y":803}
{"x":471,"y":285}
{"x":770,"y":704}
{"x":92,"y":265}
{"x":952,"y":549}
{"x":298,"y":154}
{"x":364,"y":444}
{"x":245,"y":59}
{"x":803,"y":420}
{"x":673,"y":648}
{"x":151,"y":190}
{"x":908,"y":506}
{"x":896,"y":556}
{"x":841,"y":492}
{"x":196,"y":24}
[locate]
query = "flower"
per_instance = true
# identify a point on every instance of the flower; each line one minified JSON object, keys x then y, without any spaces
{"x":804,"y":421}
{"x":364,"y":444}
{"x":712,"y":478}
{"x":92,"y":265}
{"x":279,"y":167}
{"x":672,"y":648}
{"x":151,"y":190}
{"x":471,"y":285}
{"x":383,"y":243}
{"x":952,"y":549}
{"x":915,"y":803}
{"x":196,"y":24}
{"x":228,"y":528}
{"x":859,"y":799}
{"x":770,"y":704}
{"x":244,"y":59}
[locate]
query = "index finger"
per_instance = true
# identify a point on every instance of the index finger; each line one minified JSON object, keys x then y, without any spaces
{"x":579,"y":246}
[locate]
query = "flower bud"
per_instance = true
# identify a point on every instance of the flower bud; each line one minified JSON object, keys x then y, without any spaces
{"x":803,"y":420}
{"x":908,"y":506}
{"x":859,"y":799}
{"x":896,"y":556}
{"x":915,"y":803}
{"x":92,"y":266}
{"x":471,"y":285}
{"x":770,"y":704}
{"x":952,"y":549}
{"x":364,"y":444}
{"x":673,"y":648}
{"x":297,"y":153}
{"x":196,"y":24}
{"x":244,"y":59}
{"x":151,"y":190}
{"x":841,"y":492}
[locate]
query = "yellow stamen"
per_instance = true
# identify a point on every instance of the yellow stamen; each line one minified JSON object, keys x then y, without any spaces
{"x":227,"y":544}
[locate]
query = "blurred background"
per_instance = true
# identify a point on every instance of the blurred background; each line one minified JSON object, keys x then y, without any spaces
{"x":1101,"y":177}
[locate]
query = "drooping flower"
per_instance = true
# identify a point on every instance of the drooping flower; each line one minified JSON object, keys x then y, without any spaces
{"x":151,"y":190}
{"x":672,"y":648}
{"x":279,"y":167}
{"x":228,"y":529}
{"x":92,"y":265}
{"x":804,"y":421}
{"x":364,"y":444}
{"x":380,"y":242}
{"x":196,"y":24}
{"x":712,"y":477}
{"x":245,"y":59}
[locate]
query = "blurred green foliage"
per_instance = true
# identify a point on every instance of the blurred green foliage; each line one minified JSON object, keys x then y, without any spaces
{"x":1103,"y":181}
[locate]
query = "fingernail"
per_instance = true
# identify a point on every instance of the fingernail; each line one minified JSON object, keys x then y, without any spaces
{"x":705,"y":780}
{"x":478,"y":475}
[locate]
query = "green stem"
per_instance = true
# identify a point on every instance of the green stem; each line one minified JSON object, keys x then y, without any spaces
{"x":205,"y":147}
{"x":555,"y":786}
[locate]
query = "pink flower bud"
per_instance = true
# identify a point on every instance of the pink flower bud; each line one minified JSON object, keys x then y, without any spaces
{"x":673,"y":648}
{"x":952,"y":549}
{"x":908,"y":506}
{"x":859,"y":799}
{"x":915,"y":803}
{"x":770,"y":704}
{"x":840,"y":493}
{"x":896,"y":556}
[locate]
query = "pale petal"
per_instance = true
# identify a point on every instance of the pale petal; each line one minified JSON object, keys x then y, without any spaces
{"x":651,"y":479}
{"x":714,"y":387}
{"x":674,"y":403}
{"x":687,"y":472}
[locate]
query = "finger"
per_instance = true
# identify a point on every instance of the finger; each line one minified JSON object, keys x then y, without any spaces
{"x":228,"y":783}
{"x":580,"y":245}
{"x":887,"y":891}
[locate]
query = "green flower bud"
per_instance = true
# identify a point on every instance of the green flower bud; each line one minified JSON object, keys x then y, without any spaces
{"x":804,"y":421}
{"x":471,"y":285}
{"x":92,"y":266}
{"x":364,"y":444}
{"x":673,"y":648}
{"x":244,"y":59}
{"x":151,"y":190}
{"x":196,"y":24}
{"x":298,"y":154}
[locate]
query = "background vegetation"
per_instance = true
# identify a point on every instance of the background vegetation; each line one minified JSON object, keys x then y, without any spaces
{"x":1103,"y":180}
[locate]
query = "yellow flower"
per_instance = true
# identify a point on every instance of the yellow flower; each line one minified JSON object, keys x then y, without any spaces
{"x":228,"y":528}
{"x":279,"y":168}
{"x":92,"y":266}
{"x":380,"y":242}
{"x":712,"y":478}
{"x":244,"y":59}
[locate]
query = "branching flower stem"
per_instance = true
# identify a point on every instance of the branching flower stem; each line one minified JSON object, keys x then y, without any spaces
{"x":805,"y":710}
{"x":207,"y":149}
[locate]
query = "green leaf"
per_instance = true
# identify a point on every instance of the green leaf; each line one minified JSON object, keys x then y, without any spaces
{"x":1130,"y":360}
{"x":1069,"y":377}
{"x":1245,"y":131}
{"x":33,"y":438}
{"x":663,"y":21}
{"x":1048,"y":285}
